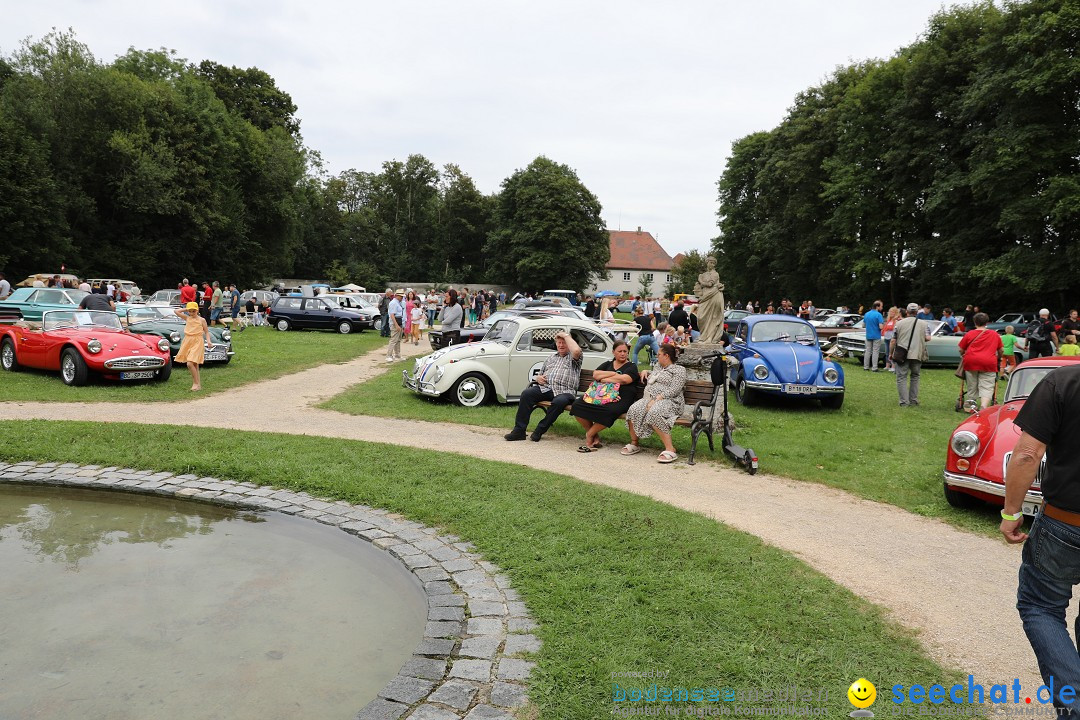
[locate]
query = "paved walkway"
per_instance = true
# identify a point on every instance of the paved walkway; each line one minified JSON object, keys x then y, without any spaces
{"x":957,"y":590}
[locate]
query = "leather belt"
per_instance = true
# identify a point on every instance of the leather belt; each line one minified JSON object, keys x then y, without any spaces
{"x":1066,"y":516}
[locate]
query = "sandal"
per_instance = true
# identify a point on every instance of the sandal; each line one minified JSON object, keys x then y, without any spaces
{"x":586,"y":449}
{"x":667,"y":457}
{"x":630,"y":449}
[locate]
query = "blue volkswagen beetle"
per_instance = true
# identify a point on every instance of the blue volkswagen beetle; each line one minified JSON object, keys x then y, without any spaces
{"x":779,"y":355}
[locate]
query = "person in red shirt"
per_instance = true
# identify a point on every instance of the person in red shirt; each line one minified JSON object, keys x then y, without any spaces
{"x":980,"y":350}
{"x":187,"y":292}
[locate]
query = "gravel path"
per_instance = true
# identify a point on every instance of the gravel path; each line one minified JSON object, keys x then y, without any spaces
{"x":957,"y":590}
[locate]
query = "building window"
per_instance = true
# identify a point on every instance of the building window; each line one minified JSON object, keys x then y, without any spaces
{"x":626,"y":277}
{"x":647,"y":277}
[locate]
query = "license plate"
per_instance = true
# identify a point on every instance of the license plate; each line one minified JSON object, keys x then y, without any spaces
{"x":214,"y":356}
{"x":800,"y":389}
{"x":1031,"y":509}
{"x":137,"y":375}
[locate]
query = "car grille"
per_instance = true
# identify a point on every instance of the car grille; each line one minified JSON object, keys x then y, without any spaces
{"x":851,"y":345}
{"x":134,"y":363}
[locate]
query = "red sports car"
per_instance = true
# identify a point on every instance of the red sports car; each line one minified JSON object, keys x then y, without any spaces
{"x":79,"y":342}
{"x":981,"y":445}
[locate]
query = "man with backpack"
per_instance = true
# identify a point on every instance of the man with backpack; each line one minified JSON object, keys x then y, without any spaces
{"x":1041,"y":336}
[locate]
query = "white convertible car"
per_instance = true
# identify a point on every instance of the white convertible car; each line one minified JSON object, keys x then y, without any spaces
{"x":504,"y":363}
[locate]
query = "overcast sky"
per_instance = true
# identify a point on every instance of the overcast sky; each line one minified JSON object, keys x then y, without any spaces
{"x":642,"y":99}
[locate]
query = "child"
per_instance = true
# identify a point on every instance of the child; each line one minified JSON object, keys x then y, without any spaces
{"x":417,"y":319}
{"x":668,"y":337}
{"x":1010,"y":355}
{"x":681,"y":338}
{"x":1069,"y":348}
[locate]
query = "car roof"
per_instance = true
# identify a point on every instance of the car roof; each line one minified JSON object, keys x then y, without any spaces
{"x":550,"y":318}
{"x":1050,"y":362}
{"x":751,"y":319}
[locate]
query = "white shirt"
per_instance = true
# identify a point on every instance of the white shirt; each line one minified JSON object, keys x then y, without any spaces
{"x":5,"y":288}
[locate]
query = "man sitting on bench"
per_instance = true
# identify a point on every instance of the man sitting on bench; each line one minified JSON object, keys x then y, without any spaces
{"x":557,"y":383}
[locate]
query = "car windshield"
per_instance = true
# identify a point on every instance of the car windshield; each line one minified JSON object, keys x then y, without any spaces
{"x":837,"y":321}
{"x":772,"y":331}
{"x":503,"y":331}
{"x":329,"y":301}
{"x":496,"y":317}
{"x":1023,"y":381}
{"x":1010,"y":318}
{"x":164,"y":295}
{"x":152,"y":314}
{"x":61,"y":319}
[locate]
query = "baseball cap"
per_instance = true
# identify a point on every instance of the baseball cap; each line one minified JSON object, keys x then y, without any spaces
{"x":191,"y":306}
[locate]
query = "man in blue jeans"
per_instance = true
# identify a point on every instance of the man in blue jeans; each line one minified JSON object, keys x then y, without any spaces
{"x":874,"y":322}
{"x":645,"y":336}
{"x":1051,"y":557}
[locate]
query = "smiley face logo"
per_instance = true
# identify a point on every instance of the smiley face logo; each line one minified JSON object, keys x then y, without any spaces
{"x":862,"y":693}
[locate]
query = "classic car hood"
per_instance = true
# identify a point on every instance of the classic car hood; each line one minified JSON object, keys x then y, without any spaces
{"x":113,"y":342}
{"x":792,"y":362}
{"x":165,"y":328}
{"x":455,"y":353}
{"x":997,"y":432}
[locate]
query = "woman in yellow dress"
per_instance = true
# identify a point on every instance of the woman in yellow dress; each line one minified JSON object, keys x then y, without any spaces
{"x":196,"y":340}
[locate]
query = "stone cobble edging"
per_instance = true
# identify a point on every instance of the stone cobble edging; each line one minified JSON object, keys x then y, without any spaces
{"x":472,"y":662}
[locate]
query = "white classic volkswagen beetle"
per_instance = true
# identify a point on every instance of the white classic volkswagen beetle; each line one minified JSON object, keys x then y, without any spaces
{"x":504,"y":363}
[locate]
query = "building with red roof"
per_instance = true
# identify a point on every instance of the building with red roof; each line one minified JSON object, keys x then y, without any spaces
{"x":635,"y":255}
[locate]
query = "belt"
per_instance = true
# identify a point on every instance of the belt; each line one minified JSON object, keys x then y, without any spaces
{"x":1066,"y":516}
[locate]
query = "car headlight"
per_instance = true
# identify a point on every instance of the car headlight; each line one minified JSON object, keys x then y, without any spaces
{"x":174,"y":337}
{"x":94,"y":346}
{"x":416,"y":368}
{"x":831,"y":375}
{"x":226,"y":335}
{"x":163,"y":345}
{"x":761,"y":372}
{"x":964,"y":443}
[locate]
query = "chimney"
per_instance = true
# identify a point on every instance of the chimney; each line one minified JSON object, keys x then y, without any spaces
{"x":638,"y":229}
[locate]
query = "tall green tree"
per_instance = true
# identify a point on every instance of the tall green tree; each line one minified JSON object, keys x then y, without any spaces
{"x":549,"y":230}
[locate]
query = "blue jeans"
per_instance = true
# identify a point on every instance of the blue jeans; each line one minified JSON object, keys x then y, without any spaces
{"x":648,"y":341}
{"x":385,"y":330}
{"x":1050,"y":569}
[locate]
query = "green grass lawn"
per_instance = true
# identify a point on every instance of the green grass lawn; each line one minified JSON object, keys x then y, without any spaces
{"x":261,"y":354}
{"x":871,"y":447}
{"x":619,"y":582}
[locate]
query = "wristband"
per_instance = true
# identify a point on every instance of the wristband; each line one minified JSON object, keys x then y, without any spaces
{"x":1007,"y":516}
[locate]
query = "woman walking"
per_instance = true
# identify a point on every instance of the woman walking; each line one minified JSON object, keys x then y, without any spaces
{"x":980,"y":351}
{"x":196,"y":339}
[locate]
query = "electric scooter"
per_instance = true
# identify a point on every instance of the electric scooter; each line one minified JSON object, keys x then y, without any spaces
{"x":701,"y":424}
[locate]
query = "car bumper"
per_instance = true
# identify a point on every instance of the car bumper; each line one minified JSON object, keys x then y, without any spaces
{"x":418,"y":386}
{"x":969,"y":482}
{"x":779,"y":388}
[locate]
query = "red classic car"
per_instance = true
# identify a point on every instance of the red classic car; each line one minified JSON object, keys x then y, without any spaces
{"x":78,"y":342}
{"x":981,"y":445}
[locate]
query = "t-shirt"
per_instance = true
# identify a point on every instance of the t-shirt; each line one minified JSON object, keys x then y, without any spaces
{"x":950,"y":320}
{"x":873,"y":322}
{"x":215,"y":300}
{"x":1008,"y":343}
{"x":635,"y":386}
{"x":95,"y":301}
{"x":1050,"y":416}
{"x":1069,"y":349}
{"x":645,"y":323}
{"x":980,"y":349}
{"x":187,"y":294}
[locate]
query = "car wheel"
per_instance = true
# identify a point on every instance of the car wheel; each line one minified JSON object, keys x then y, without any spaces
{"x":376,"y":324}
{"x":959,"y":499}
{"x":72,"y":367}
{"x":344,"y":327}
{"x":7,"y":355}
{"x":745,"y":394}
{"x":472,"y":390}
{"x":165,"y":372}
{"x":282,"y":324}
{"x":833,"y":402}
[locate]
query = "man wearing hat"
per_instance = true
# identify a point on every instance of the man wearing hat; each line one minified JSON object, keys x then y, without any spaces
{"x":395,"y":310}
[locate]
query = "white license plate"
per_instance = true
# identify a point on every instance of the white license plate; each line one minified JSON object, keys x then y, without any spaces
{"x":1031,"y":509}
{"x":800,"y":389}
{"x":214,"y":356}
{"x":137,"y":375}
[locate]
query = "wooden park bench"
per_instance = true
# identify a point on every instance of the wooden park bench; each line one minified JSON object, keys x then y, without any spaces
{"x":701,"y":395}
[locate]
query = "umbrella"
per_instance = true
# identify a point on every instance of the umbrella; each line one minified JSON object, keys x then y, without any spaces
{"x":607,"y":293}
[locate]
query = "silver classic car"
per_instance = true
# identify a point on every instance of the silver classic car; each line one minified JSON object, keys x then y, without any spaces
{"x":504,"y":363}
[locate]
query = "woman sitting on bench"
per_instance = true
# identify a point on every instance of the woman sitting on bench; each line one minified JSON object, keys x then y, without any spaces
{"x":660,"y":407}
{"x":616,"y":385}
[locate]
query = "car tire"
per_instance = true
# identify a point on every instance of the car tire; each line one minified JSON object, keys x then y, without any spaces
{"x":344,"y":327}
{"x":281,"y":324}
{"x":165,"y":372}
{"x":833,"y":402}
{"x":8,"y":359}
{"x":745,"y":394}
{"x":376,"y":324}
{"x":72,"y":367}
{"x":472,"y":390}
{"x":958,"y":499}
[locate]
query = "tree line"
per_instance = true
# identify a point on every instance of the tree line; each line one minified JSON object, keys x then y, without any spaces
{"x":949,"y":173}
{"x":153,"y":168}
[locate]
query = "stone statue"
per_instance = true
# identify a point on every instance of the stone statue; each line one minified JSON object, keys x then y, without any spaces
{"x":710,"y":308}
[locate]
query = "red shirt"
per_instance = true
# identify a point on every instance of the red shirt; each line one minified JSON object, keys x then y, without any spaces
{"x":981,"y":348}
{"x":187,"y":294}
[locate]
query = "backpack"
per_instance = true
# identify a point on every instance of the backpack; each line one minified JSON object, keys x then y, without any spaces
{"x":1037,"y":331}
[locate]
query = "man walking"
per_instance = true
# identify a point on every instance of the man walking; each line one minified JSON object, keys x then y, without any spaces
{"x":911,"y":336}
{"x":557,"y":383}
{"x":395,"y":310}
{"x":1049,"y":569}
{"x":1041,"y":337}
{"x":384,"y":304}
{"x":216,"y":305}
{"x":874,"y":323}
